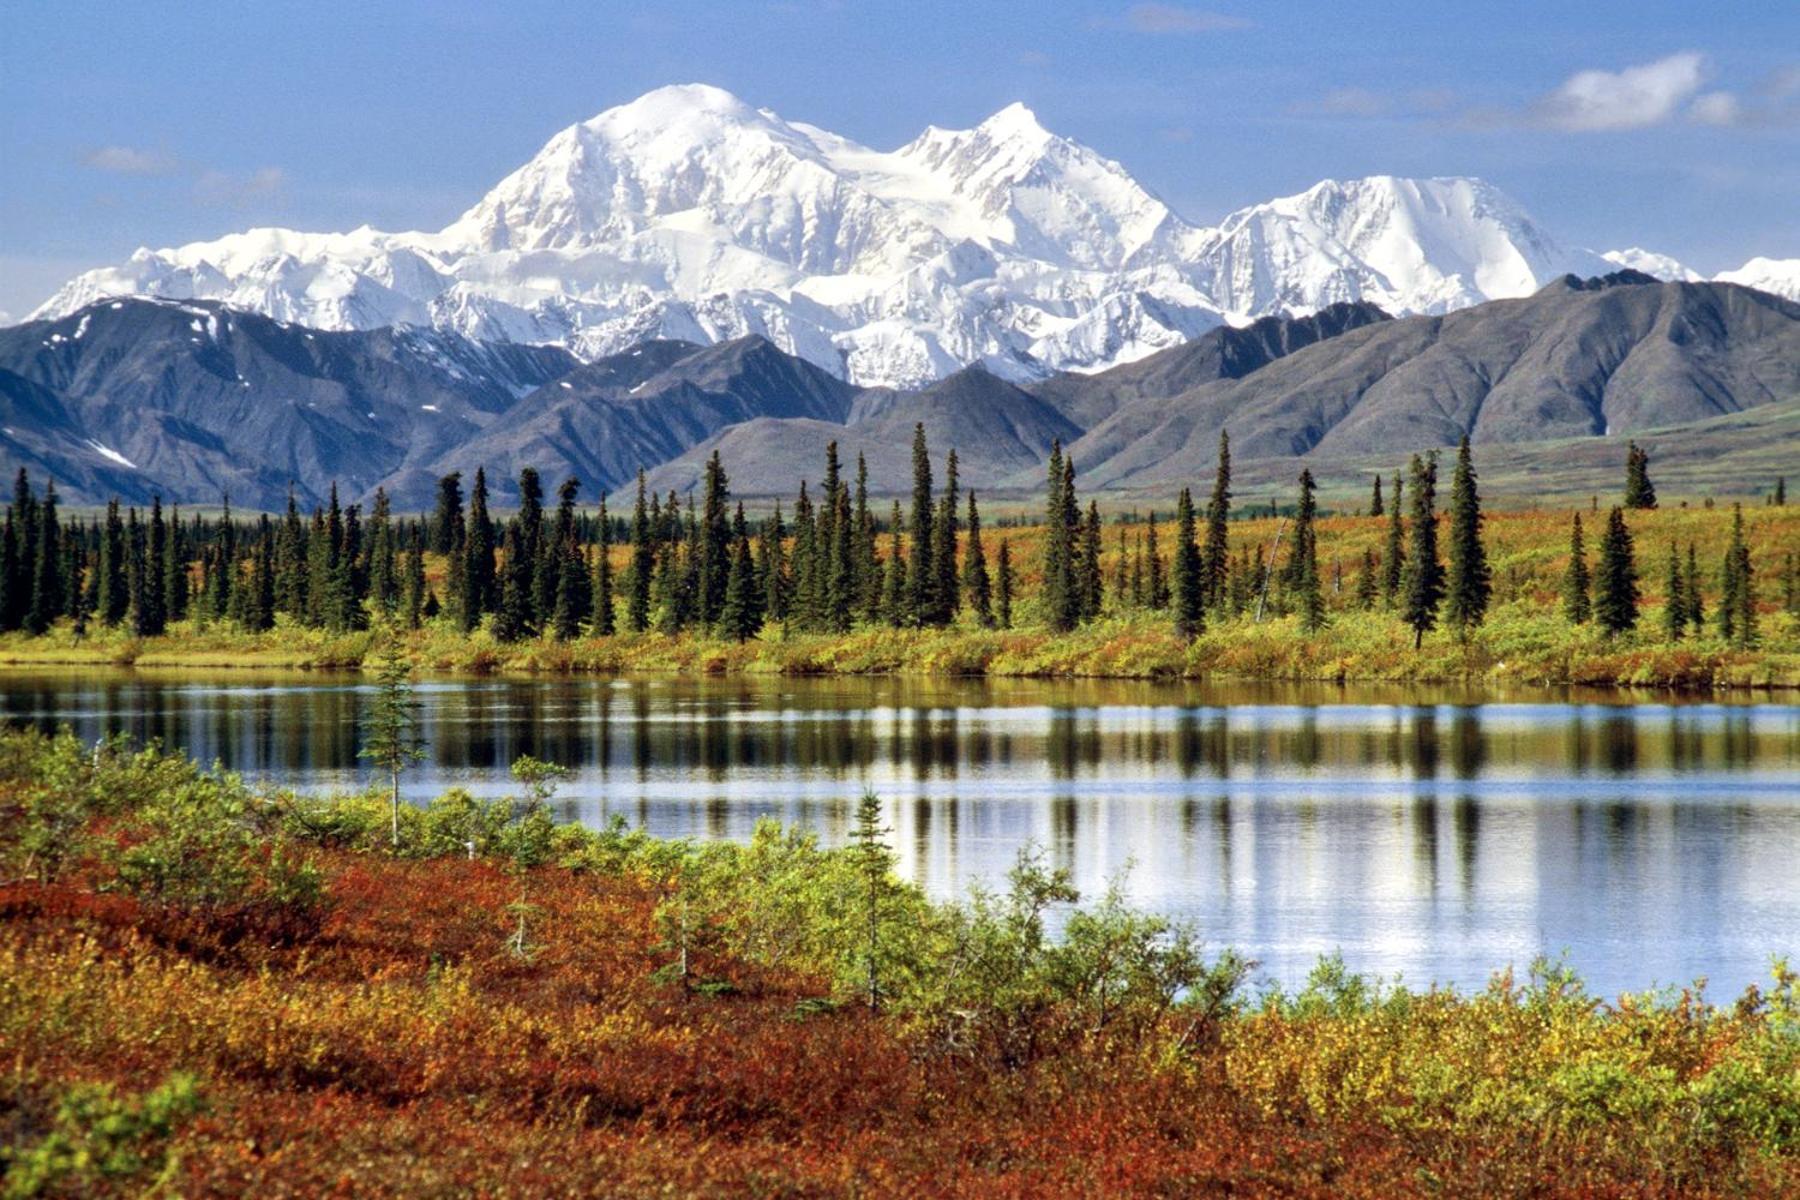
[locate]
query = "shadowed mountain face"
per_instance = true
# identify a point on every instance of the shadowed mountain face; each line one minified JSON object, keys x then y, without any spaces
{"x":192,"y":401}
{"x":1578,"y":359}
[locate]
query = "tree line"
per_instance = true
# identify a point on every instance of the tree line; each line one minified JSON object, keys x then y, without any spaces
{"x":829,"y":563}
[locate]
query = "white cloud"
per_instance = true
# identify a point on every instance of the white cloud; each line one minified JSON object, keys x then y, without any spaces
{"x":129,"y":160}
{"x":1634,"y":98}
{"x":1173,"y":18}
{"x":224,"y":187}
{"x":1716,"y":108}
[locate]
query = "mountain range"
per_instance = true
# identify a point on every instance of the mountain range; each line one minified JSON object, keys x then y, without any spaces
{"x":688,"y":215}
{"x":192,"y":400}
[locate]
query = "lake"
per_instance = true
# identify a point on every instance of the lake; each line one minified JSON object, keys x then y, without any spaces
{"x":1437,"y":834}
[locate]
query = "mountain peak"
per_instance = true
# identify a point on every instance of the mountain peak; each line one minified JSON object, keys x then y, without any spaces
{"x":1014,"y":121}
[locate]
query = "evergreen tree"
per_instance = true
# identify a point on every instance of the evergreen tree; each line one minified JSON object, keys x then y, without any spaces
{"x":1737,"y":602}
{"x":574,"y":592}
{"x":412,"y":596}
{"x":141,"y":610}
{"x":944,"y":591}
{"x":1696,"y":603}
{"x":1375,"y":509}
{"x":715,"y":541}
{"x":868,"y":564}
{"x":739,"y":618}
{"x":643,"y":564}
{"x":1393,"y":555}
{"x":47,"y":595}
{"x":1062,"y":601}
{"x":1470,"y":583}
{"x":808,"y":607}
{"x":1577,"y":590}
{"x":1089,"y":581}
{"x":1674,"y":598}
{"x":1368,"y":587}
{"x":1159,"y":576}
{"x":605,"y":618}
{"x":894,"y":609}
{"x":447,"y":521}
{"x":1216,"y":557}
{"x":1616,"y":586}
{"x":776,"y":585}
{"x":1639,"y":491}
{"x":921,"y":572}
{"x":977,"y":589}
{"x":513,"y":618}
{"x":538,"y":544}
{"x":384,"y":572}
{"x":156,"y":547}
{"x":175,"y":571}
{"x":1304,"y":557}
{"x":112,"y":598}
{"x":291,"y":561}
{"x":1423,"y":584}
{"x":841,"y":586}
{"x":1779,"y":497}
{"x":478,"y":589}
{"x":1190,"y":581}
{"x":1003,"y":585}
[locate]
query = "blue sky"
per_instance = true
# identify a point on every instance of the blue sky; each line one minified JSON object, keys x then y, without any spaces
{"x":1672,"y":126}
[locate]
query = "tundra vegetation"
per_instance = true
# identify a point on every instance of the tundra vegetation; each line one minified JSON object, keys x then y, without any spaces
{"x":214,"y":988}
{"x":1692,"y":594}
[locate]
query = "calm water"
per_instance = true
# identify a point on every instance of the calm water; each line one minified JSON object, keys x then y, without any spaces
{"x":1438,"y":835}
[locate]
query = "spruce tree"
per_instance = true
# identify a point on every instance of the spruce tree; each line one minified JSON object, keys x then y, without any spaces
{"x":513,"y":617}
{"x":643,"y":563}
{"x":1216,"y":557}
{"x":291,"y":586}
{"x":921,"y":572}
{"x":156,"y":547}
{"x":868,"y":564}
{"x":1307,"y":595}
{"x":1470,"y":582}
{"x":112,"y":594}
{"x":1737,"y":603}
{"x":1368,"y":587}
{"x":1393,"y":556}
{"x":1062,"y":593}
{"x":478,"y":591}
{"x":1696,"y":602}
{"x":47,"y":597}
{"x":1091,"y":584}
{"x":1190,"y":579}
{"x":1616,"y":586}
{"x":739,"y":619}
{"x":259,"y":607}
{"x":1422,"y":586}
{"x":1158,"y":584}
{"x":1779,"y":497}
{"x":175,"y":571}
{"x":1639,"y":491}
{"x":808,"y":607}
{"x":1577,"y":590}
{"x":841,"y":587}
{"x":1674,"y":598}
{"x":776,"y":584}
{"x":605,"y":619}
{"x":141,"y":610}
{"x":1003,"y":585}
{"x":714,"y":560}
{"x":1375,"y":509}
{"x":894,"y":573}
{"x":384,"y":572}
{"x":944,"y":590}
{"x":447,"y":521}
{"x":977,"y":589}
{"x":412,"y":595}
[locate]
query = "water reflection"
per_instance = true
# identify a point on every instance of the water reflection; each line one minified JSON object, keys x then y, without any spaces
{"x":1436,"y":834}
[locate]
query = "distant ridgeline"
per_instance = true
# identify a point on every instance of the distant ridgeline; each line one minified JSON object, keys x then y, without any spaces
{"x":830,"y":563}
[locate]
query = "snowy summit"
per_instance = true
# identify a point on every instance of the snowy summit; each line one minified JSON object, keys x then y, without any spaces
{"x":689,"y":214}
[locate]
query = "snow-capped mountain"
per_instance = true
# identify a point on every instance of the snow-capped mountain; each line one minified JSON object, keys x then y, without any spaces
{"x":689,"y":214}
{"x":1780,"y":276}
{"x":1657,"y":266}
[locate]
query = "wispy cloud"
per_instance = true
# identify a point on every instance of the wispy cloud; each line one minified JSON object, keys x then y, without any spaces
{"x":229,"y":188}
{"x":129,"y":160}
{"x":1176,"y":19}
{"x":1365,"y":103}
{"x":1596,"y":101}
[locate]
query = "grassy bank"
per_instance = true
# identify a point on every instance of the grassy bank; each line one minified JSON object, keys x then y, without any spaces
{"x":210,"y":990}
{"x":1521,"y":643}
